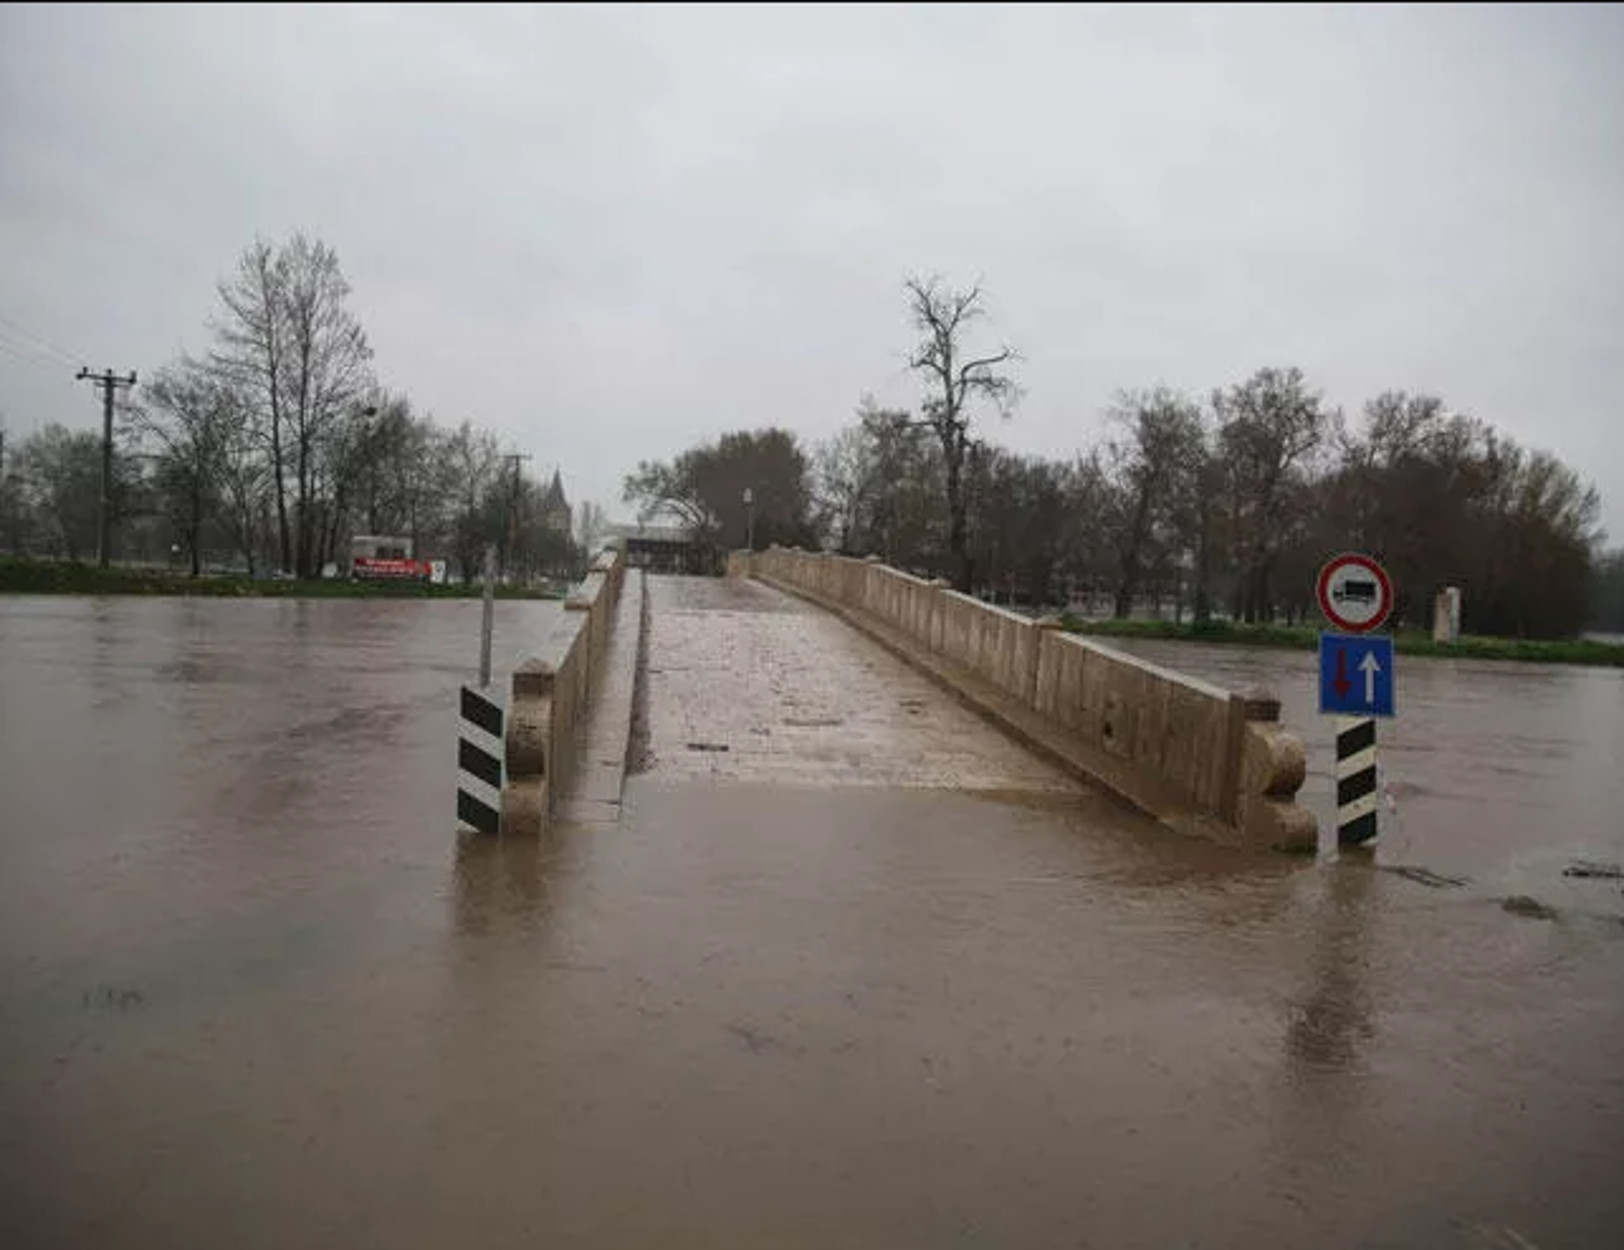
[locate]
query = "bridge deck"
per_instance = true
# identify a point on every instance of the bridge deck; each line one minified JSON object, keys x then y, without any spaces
{"x":747,"y":684}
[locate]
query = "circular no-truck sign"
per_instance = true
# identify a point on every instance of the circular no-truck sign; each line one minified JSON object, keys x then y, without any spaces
{"x":1354,"y":592}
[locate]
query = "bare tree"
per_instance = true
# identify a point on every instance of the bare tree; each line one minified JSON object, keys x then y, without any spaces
{"x":329,"y":377}
{"x":353,"y":451}
{"x":1152,"y":464}
{"x":1270,"y":429}
{"x":289,"y":339}
{"x":1607,"y":592}
{"x":843,"y":470}
{"x":14,"y":513}
{"x":1017,"y":524}
{"x":472,"y":459}
{"x":954,"y":380}
{"x":251,"y":352}
{"x":195,"y":415}
{"x":245,"y":490}
{"x":412,"y":448}
{"x":60,"y":473}
{"x":1087,"y":560}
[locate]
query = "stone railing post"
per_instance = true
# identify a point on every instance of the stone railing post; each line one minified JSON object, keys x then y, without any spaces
{"x":1253,"y":704}
{"x":525,"y":799}
{"x":937,"y":640}
{"x":1267,"y":767}
{"x":579,"y":602}
{"x":866,"y":594}
{"x":1043,"y":625}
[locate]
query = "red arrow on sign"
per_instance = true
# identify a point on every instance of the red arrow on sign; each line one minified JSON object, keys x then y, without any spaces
{"x":1341,"y":682}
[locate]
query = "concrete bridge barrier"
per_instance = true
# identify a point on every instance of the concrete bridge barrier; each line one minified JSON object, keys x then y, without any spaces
{"x":1199,"y":758}
{"x":551,"y":692}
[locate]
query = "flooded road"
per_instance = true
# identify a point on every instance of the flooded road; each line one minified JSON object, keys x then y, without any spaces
{"x":253,"y":992}
{"x":746,"y":683}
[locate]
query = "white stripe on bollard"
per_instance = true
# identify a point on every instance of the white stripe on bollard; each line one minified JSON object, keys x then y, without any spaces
{"x":479,"y":762}
{"x":1356,"y":797}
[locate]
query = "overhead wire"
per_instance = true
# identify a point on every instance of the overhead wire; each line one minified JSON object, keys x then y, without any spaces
{"x":26,"y":336}
{"x":28,"y":355}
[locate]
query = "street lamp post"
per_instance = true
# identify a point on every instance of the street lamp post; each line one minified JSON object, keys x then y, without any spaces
{"x":749,"y":519}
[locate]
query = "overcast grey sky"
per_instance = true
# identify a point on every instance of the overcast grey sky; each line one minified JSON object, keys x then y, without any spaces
{"x":608,"y":233}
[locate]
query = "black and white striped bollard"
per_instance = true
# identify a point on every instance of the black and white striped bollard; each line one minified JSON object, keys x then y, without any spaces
{"x":479,"y":762}
{"x":1355,"y":780}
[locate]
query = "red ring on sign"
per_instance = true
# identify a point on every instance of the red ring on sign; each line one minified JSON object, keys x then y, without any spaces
{"x":1322,"y":591}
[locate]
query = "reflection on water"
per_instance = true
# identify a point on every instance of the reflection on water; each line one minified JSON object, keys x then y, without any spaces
{"x":500,"y":885}
{"x":1332,"y":1021}
{"x":174,"y":764}
{"x":250,"y":980}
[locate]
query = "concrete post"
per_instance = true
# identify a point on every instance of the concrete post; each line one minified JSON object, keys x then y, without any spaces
{"x":938,"y":627}
{"x":1254,"y":704}
{"x":525,"y":799}
{"x":1040,"y":627}
{"x":1259,"y":703}
{"x":1446,"y":615}
{"x":1267,"y":767}
{"x":579,"y":602}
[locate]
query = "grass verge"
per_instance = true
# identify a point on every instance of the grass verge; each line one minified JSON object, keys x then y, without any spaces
{"x":1306,"y":638}
{"x":62,"y":577}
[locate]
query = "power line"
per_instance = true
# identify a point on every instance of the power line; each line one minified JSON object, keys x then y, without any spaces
{"x":29,"y":354}
{"x":26,"y":335}
{"x":20,"y":354}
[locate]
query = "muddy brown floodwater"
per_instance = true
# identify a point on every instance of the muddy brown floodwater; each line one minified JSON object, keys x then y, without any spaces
{"x":1500,"y":772}
{"x":253,"y":992}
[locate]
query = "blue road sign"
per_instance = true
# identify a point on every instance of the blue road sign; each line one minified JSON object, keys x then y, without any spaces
{"x":1356,"y":675}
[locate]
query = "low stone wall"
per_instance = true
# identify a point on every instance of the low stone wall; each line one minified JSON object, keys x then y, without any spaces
{"x":1195,"y":756}
{"x":551,"y":693}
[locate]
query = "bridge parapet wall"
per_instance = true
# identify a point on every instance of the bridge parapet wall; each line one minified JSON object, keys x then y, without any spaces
{"x":1197,"y":757}
{"x":551,"y":693}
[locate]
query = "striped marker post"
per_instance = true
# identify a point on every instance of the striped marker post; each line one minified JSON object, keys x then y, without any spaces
{"x":1355,"y":780}
{"x":1355,"y":682}
{"x":479,"y":763}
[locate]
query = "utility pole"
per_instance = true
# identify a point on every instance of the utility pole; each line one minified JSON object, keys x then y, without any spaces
{"x":487,"y":616}
{"x":110,"y":383}
{"x":513,"y":458}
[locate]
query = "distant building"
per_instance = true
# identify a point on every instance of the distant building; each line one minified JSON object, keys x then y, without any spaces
{"x":663,"y":548}
{"x":555,"y":508}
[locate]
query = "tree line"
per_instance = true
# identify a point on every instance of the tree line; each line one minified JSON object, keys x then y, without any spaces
{"x":270,"y":449}
{"x":1223,"y":504}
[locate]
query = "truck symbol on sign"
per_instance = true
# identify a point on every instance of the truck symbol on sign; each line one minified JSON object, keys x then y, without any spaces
{"x":1355,"y":591}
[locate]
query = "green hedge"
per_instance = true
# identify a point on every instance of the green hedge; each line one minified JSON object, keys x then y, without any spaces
{"x":1306,"y":638}
{"x":63,"y":577}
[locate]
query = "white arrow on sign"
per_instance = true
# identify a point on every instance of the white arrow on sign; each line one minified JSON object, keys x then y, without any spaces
{"x":1370,"y":666}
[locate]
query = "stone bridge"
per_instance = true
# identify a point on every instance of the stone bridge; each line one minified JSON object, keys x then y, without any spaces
{"x":817,"y":670}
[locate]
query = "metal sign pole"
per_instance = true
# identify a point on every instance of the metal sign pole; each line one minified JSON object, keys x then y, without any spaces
{"x":487,"y":617}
